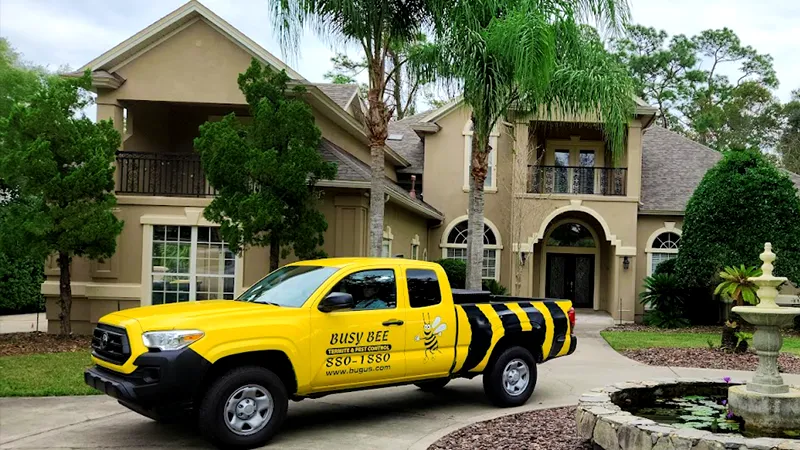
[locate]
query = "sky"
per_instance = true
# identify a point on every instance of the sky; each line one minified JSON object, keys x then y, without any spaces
{"x":58,"y":33}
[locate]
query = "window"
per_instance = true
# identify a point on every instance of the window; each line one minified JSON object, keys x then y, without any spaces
{"x":386,"y":244}
{"x":571,"y":235}
{"x":455,"y":246}
{"x":371,"y":289}
{"x":490,"y":184}
{"x":415,"y":247}
{"x":664,"y":246}
{"x":190,"y":263}
{"x":288,"y":286}
{"x":423,"y":288}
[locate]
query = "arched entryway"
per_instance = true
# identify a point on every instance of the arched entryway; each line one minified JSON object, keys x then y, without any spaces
{"x":572,"y":262}
{"x":573,"y":259}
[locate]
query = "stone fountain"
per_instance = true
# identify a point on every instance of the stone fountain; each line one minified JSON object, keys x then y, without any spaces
{"x":766,"y":402}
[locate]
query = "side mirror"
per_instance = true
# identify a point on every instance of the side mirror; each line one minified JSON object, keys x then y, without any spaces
{"x":337,"y":300}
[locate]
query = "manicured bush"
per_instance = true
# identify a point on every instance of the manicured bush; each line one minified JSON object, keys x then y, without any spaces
{"x":20,"y":285}
{"x":494,"y":287}
{"x":667,"y":266}
{"x":741,"y":203}
{"x":665,"y":295}
{"x":456,"y":270}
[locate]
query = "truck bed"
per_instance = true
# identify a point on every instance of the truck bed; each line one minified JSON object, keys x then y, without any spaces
{"x":466,"y":296}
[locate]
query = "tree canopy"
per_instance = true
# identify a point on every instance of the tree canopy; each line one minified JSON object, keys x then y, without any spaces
{"x":789,"y":144}
{"x":59,"y":163}
{"x":685,"y":77}
{"x":741,"y":203}
{"x":265,"y":170}
{"x":535,"y":56}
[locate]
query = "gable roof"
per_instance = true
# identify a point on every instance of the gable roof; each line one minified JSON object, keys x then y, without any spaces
{"x":356,"y":173}
{"x":342,"y":94}
{"x":173,"y":23}
{"x":672,"y":168}
{"x":409,"y":144}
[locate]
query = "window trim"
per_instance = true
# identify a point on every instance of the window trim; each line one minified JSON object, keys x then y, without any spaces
{"x":493,"y":142}
{"x":387,"y":237}
{"x":669,"y":227}
{"x":444,"y":245}
{"x":148,"y":222}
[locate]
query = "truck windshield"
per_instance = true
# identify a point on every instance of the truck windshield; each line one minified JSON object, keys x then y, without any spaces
{"x":288,"y":286}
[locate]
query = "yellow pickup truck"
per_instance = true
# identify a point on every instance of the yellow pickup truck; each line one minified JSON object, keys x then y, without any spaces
{"x":319,"y":327}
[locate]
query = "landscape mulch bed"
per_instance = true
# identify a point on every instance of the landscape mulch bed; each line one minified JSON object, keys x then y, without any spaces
{"x":547,"y":429}
{"x":706,"y":358}
{"x":13,"y":344}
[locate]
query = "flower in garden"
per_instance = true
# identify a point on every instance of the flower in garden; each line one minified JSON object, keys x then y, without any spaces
{"x":729,"y":415}
{"x":727,"y":379}
{"x":724,"y":402}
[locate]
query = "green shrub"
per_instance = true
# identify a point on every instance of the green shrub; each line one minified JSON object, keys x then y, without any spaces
{"x":667,"y":266}
{"x":665,"y":295}
{"x":456,"y":270}
{"x":740,"y":204}
{"x":20,"y":285}
{"x":494,"y":287}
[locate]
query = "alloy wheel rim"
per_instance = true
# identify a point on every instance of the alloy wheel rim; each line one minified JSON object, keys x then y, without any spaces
{"x":248,"y":410}
{"x":516,"y":377}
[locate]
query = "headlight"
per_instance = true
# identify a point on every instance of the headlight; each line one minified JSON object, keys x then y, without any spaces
{"x":171,"y":340}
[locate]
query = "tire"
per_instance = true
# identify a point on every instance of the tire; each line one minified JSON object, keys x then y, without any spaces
{"x":246,"y":388}
{"x":510,"y":363}
{"x":432,"y":385}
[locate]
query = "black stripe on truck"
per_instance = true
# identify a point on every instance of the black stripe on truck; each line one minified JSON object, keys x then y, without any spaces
{"x":561,"y":325}
{"x":508,"y":317}
{"x":481,"y":338}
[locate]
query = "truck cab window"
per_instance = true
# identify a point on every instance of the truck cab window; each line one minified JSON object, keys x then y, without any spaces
{"x":371,"y":289}
{"x":423,"y":288}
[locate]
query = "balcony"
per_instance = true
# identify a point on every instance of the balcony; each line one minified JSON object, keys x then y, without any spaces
{"x":577,"y":180}
{"x":163,"y":174}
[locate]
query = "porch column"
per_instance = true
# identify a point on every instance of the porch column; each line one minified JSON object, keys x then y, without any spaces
{"x":114,"y":111}
{"x":633,"y":154}
{"x":624,"y":303}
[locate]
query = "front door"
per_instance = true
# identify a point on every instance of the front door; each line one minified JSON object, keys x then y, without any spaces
{"x":356,"y":347}
{"x":571,"y":277}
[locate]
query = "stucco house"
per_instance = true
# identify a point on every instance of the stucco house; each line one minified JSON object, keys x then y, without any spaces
{"x":564,"y":218}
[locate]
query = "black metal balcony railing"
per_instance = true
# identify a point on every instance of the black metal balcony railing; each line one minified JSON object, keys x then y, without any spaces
{"x":167,"y":174}
{"x":577,"y":180}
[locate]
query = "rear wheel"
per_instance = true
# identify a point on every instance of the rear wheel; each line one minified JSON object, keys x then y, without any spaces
{"x":511,"y":377}
{"x":433,"y":385}
{"x":243,"y":408}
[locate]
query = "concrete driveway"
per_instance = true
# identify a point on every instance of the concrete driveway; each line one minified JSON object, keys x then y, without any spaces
{"x":391,"y":418}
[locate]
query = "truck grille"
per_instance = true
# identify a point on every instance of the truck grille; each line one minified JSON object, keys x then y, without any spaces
{"x":110,"y":344}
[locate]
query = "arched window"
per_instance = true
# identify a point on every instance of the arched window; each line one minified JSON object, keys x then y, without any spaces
{"x":571,"y":235}
{"x":663,"y":246}
{"x":455,"y":247}
{"x":490,"y":184}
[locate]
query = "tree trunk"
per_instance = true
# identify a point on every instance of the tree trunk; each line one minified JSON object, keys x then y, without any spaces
{"x":377,"y":122}
{"x":478,"y":170}
{"x":274,"y":253}
{"x":65,"y":294}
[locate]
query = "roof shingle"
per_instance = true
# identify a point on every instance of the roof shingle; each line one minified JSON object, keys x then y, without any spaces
{"x":410,"y":145}
{"x":341,"y":94}
{"x":672,"y":168}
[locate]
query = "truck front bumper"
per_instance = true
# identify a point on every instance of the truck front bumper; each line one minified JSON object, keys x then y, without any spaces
{"x":168,"y":378}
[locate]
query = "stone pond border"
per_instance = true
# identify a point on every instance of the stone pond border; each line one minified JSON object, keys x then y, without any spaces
{"x":608,"y":427}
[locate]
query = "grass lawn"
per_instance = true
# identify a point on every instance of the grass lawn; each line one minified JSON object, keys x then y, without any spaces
{"x":45,"y":374}
{"x":628,"y":340}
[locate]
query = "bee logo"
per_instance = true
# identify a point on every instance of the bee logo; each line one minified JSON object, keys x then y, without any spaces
{"x":430,"y":334}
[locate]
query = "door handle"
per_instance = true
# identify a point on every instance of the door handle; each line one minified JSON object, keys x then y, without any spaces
{"x":391,"y":322}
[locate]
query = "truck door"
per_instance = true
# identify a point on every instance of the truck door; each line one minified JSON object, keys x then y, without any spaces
{"x":430,"y":327}
{"x":364,"y":345}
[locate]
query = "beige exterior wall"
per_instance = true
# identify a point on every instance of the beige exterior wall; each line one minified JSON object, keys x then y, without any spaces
{"x":649,"y":227}
{"x":444,"y":182}
{"x":405,"y":229}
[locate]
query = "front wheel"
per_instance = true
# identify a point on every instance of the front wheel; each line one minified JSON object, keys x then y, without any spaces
{"x":510,"y":380}
{"x":243,"y":408}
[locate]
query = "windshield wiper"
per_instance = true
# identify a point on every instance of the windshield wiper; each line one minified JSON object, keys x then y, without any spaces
{"x":268,"y":303}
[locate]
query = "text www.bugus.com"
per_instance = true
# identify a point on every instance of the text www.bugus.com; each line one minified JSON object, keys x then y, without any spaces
{"x":356,"y":370}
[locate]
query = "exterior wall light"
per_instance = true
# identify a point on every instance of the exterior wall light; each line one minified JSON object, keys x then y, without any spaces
{"x":626,"y":263}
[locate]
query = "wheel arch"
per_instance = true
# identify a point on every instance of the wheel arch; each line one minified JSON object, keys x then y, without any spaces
{"x":275,"y":360}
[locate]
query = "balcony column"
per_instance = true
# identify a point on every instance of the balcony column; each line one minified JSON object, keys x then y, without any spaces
{"x":114,"y":111}
{"x":633,"y":154}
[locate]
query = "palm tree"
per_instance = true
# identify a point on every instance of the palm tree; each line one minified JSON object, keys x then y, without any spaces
{"x":532,"y":56}
{"x":376,"y":26}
